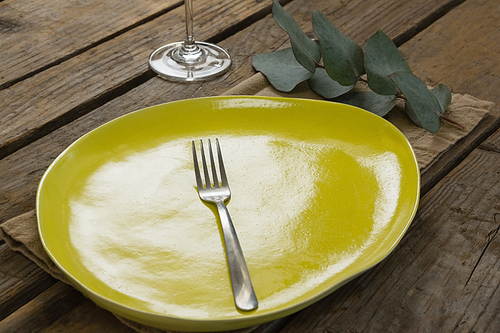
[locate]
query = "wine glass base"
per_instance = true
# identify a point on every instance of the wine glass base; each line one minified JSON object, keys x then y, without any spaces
{"x":172,"y":62}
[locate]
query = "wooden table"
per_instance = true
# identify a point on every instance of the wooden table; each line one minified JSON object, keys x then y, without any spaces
{"x":70,"y":66}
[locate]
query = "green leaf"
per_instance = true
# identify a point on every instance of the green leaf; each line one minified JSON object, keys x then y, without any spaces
{"x":370,"y":101}
{"x":281,"y":69}
{"x":306,"y":51}
{"x":382,"y":58}
{"x":342,"y":57}
{"x":325,"y":86}
{"x":443,"y":96}
{"x":411,"y":113}
{"x":421,"y":106}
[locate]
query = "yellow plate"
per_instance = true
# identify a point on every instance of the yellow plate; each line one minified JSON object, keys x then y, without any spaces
{"x":321,"y":192}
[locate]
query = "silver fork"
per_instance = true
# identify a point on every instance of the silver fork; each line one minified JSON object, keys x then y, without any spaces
{"x":219,"y":193}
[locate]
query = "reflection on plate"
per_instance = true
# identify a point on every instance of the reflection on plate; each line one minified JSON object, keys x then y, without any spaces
{"x":321,"y":192}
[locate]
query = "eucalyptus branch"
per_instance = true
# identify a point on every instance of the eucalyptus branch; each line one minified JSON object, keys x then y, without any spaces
{"x":334,"y":63}
{"x":445,"y":118}
{"x":362,"y":79}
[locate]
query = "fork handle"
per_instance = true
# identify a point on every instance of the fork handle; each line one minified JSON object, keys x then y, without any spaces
{"x":244,"y":295}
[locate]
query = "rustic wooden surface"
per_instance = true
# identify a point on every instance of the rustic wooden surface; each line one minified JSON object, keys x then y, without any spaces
{"x":90,"y":79}
{"x":443,"y":276}
{"x":56,"y":30}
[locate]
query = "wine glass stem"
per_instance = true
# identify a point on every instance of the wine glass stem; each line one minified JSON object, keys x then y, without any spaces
{"x":189,"y":41}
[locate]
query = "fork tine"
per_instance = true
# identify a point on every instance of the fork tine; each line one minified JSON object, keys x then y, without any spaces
{"x":199,"y":182}
{"x":221,"y":165}
{"x":205,"y":169}
{"x":214,"y":171}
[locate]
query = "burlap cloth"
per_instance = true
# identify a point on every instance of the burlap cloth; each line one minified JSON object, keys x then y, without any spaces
{"x":21,"y":232}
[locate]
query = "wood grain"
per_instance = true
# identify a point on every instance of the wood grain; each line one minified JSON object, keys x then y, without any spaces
{"x":442,"y":166}
{"x":86,"y":81}
{"x":51,"y":32}
{"x":88,"y":317}
{"x":20,"y":279}
{"x":60,"y":94}
{"x":43,"y":310}
{"x":460,"y":50}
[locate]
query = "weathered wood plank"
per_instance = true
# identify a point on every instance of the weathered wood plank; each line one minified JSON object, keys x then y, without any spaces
{"x":51,"y":32}
{"x":492,"y":143}
{"x":483,"y":314}
{"x":20,"y":280}
{"x":85,"y":81}
{"x":43,"y":102}
{"x":460,"y":150}
{"x":43,"y":310}
{"x":461,"y":51}
{"x":88,"y":317}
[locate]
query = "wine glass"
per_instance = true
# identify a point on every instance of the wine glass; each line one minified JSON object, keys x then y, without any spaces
{"x":189,"y":60}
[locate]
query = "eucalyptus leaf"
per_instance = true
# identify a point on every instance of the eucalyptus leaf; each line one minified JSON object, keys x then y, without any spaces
{"x":382,"y":58}
{"x":306,"y":51}
{"x":443,"y":96}
{"x":411,"y":113}
{"x":370,"y":101}
{"x":342,"y":57}
{"x":281,"y":69}
{"x":325,"y":86}
{"x":421,"y":106}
